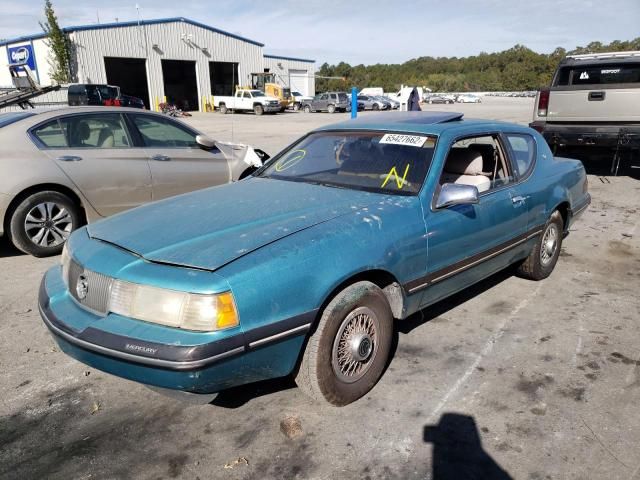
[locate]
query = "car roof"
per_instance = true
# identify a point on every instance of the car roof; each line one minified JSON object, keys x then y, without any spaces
{"x":432,"y":123}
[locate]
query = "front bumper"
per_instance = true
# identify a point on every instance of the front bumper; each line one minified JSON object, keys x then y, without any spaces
{"x":198,"y":368}
{"x":591,"y":135}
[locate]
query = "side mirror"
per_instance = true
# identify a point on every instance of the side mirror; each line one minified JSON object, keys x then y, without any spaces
{"x":456,"y":194}
{"x":205,"y":142}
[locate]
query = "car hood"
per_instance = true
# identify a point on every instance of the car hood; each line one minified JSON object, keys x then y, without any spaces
{"x":209,"y":228}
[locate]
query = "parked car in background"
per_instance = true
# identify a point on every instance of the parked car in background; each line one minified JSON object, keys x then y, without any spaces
{"x":299,"y":100}
{"x":247,"y":101}
{"x":302,"y":268}
{"x":438,"y":99}
{"x":81,"y":94}
{"x":328,"y":102}
{"x":394,"y":103}
{"x":468,"y":99}
{"x":593,"y":101}
{"x":372,"y":103}
{"x":62,"y":168}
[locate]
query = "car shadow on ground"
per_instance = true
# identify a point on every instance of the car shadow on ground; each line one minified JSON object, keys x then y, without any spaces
{"x":601,"y":162}
{"x":458,"y":451}
{"x":8,"y":250}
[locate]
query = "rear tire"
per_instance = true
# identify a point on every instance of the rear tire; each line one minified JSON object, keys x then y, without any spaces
{"x":544,"y":255}
{"x":375,"y":107}
{"x":348,"y":352}
{"x":223,"y":109}
{"x":296,"y":107}
{"x":331,"y":108}
{"x":258,"y":109}
{"x":307,"y":109}
{"x":42,"y":222}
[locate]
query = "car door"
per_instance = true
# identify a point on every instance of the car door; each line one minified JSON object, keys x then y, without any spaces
{"x":470,"y":242}
{"x":95,"y":151}
{"x":176,"y":162}
{"x":322,"y":102}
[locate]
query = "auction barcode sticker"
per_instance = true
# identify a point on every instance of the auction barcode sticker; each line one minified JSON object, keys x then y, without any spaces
{"x":399,"y":139}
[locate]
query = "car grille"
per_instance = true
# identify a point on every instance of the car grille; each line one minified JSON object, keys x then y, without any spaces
{"x":98,"y":288}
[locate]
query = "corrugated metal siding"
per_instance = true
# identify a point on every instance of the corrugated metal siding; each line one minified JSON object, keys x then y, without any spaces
{"x":91,"y":46}
{"x":282,"y":66}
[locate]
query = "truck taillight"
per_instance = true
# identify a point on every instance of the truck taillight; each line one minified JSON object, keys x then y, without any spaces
{"x":543,"y":102}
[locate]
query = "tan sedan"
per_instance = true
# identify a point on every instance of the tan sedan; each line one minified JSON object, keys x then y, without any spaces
{"x":62,"y":168}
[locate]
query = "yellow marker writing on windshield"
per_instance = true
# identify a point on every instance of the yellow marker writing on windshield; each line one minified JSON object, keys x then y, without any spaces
{"x":290,"y":160}
{"x":399,"y":181}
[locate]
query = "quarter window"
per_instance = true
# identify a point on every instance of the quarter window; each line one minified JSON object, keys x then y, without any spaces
{"x":51,"y":135}
{"x":524,"y":151}
{"x":158,"y":132}
{"x":95,"y":131}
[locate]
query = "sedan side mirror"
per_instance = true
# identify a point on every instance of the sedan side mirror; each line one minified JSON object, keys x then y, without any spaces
{"x":456,"y":194}
{"x":205,"y":142}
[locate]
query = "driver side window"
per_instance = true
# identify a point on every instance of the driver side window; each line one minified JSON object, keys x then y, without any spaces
{"x":478,"y":161}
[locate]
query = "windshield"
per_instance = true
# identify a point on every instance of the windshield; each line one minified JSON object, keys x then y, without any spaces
{"x":9,"y":118}
{"x":257,"y":93}
{"x":373,"y":161}
{"x":297,"y":94}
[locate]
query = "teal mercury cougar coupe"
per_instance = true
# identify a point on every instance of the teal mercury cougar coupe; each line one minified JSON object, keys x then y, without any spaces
{"x":303,"y":267}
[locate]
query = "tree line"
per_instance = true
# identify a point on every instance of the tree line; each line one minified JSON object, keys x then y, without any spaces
{"x":518,"y":68}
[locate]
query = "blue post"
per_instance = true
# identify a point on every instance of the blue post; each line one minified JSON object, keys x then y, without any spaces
{"x":354,"y":102}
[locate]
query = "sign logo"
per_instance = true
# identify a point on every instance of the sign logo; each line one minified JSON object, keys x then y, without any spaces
{"x":584,"y":76}
{"x":82,"y":287}
{"x":21,"y":55}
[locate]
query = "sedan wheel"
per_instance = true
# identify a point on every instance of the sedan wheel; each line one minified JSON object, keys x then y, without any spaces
{"x":375,"y":107}
{"x":42,"y":222}
{"x":544,"y":255}
{"x":347,"y":353}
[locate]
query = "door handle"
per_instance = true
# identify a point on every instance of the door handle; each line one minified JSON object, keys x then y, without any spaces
{"x":160,"y":158}
{"x":596,"y":96}
{"x":518,"y":199}
{"x":69,"y":158}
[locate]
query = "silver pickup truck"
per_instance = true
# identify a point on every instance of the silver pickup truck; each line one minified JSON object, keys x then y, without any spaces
{"x":594,"y":101}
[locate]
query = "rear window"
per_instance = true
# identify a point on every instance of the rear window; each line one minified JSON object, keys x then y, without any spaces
{"x":598,"y":75}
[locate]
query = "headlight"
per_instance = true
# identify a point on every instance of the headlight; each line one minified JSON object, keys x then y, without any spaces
{"x":172,"y":308}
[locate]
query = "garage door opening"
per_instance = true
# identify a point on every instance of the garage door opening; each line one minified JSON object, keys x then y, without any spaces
{"x":180,"y":84}
{"x":130,"y":74}
{"x":224,"y":77}
{"x":299,"y":81}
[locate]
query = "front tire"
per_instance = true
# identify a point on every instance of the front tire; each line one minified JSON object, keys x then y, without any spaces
{"x":296,"y":107}
{"x":223,"y":109}
{"x":42,"y":222}
{"x":348,"y":352}
{"x":258,"y":109}
{"x":331,"y":108}
{"x":375,"y":107}
{"x":544,"y":255}
{"x":307,"y":109}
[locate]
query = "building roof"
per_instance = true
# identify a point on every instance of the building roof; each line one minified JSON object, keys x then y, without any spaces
{"x":99,"y":26}
{"x":293,"y":59}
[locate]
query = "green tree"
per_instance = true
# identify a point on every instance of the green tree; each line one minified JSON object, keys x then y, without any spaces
{"x":58,"y":42}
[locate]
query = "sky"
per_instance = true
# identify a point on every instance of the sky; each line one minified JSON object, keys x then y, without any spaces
{"x":365,"y":31}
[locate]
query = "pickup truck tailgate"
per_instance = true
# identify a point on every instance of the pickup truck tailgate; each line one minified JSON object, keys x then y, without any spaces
{"x":598,"y":105}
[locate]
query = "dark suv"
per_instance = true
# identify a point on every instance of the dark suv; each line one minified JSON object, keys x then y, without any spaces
{"x":328,"y":102}
{"x":99,"y":94}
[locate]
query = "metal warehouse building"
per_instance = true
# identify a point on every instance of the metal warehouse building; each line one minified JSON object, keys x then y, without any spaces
{"x":173,"y":59}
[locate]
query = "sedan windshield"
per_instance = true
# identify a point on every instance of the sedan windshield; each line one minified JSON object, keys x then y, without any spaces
{"x":373,"y":161}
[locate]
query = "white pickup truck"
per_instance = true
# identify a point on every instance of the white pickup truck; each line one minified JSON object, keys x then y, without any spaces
{"x":247,"y":100}
{"x":593,"y":101}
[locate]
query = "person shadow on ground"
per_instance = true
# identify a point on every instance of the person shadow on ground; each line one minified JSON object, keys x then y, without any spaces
{"x":458,"y":452}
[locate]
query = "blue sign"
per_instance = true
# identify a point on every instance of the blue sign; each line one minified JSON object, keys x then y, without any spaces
{"x":23,"y":54}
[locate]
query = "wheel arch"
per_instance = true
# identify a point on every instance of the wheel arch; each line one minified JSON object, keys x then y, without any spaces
{"x":41,"y":187}
{"x":385,"y":280}
{"x":564,"y":208}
